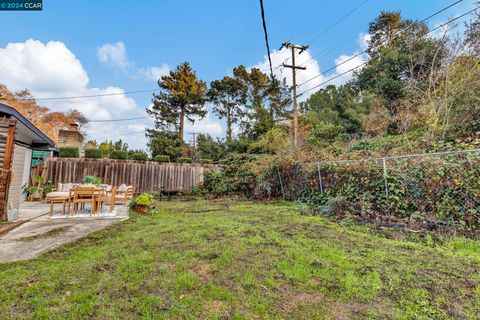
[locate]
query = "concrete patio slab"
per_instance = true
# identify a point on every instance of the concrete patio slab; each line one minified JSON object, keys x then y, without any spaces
{"x":43,"y":233}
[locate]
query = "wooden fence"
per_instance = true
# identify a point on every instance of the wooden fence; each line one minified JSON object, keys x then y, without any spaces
{"x":146,"y":176}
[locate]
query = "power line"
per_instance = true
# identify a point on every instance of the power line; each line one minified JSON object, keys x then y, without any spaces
{"x":337,"y":22}
{"x":118,"y":120}
{"x":120,"y":135}
{"x":330,"y":27}
{"x":89,"y":96}
{"x":364,"y":63}
{"x":337,"y":45}
{"x":366,"y":50}
{"x":266,"y":37}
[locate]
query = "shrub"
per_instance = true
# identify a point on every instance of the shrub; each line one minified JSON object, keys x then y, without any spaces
{"x":118,"y":154}
{"x":144,"y":200}
{"x":238,"y":176}
{"x":139,"y":156}
{"x":68,"y":152}
{"x":162,"y":158}
{"x":93,"y":153}
{"x":206,"y":161}
{"x":184,"y":160}
{"x":217,"y":183}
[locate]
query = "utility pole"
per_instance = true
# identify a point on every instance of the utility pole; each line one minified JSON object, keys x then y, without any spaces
{"x":294,"y":47}
{"x":194,"y":142}
{"x":194,"y":138}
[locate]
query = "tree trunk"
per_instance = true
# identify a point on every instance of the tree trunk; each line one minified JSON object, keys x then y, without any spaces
{"x":182,"y":120}
{"x":229,"y":127}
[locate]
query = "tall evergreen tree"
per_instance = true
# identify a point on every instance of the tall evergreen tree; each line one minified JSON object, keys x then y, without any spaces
{"x":181,"y":96}
{"x":228,"y":96}
{"x":265,"y":100}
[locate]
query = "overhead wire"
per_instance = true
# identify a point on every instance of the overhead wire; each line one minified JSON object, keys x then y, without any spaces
{"x":366,"y":50}
{"x":89,"y":95}
{"x":118,"y":120}
{"x":266,"y":37}
{"x":333,"y":25}
{"x":330,"y":27}
{"x":364,"y":63}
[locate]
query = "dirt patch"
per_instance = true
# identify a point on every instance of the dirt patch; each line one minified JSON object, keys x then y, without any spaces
{"x":215,"y":236}
{"x":50,"y":233}
{"x":202,"y":270}
{"x":349,"y":310}
{"x":300,"y":299}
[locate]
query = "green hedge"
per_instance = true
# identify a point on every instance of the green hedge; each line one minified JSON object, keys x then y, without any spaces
{"x":68,"y":152}
{"x":184,"y":160}
{"x":139,"y":156}
{"x":93,"y":153}
{"x":162,"y":158}
{"x":118,"y":154}
{"x":206,"y":161}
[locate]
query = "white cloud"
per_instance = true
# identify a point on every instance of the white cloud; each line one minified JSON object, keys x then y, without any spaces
{"x":363,"y":40}
{"x":42,"y":68}
{"x":154,"y":73}
{"x":309,"y":80}
{"x":304,"y":59}
{"x":208,"y":125}
{"x":345,"y":63}
{"x":114,"y":54}
{"x":133,"y":134}
{"x":52,"y":70}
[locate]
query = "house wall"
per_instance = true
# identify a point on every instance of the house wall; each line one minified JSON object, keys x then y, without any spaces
{"x":6,"y":141}
{"x":15,"y":190}
{"x":67,"y":138}
{"x":26,"y":172}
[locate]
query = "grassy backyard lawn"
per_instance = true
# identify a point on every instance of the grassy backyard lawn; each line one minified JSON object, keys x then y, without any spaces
{"x":242,"y":260}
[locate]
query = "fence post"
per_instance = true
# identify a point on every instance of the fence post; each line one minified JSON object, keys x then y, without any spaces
{"x":385,"y":176}
{"x":281,"y":183}
{"x":320,"y":182}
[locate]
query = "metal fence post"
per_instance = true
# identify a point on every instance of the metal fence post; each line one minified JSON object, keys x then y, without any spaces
{"x":281,"y":183}
{"x":320,"y":182}
{"x":385,"y":176}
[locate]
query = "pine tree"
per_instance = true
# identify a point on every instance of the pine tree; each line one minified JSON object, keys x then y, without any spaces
{"x":228,"y":96}
{"x":181,"y":96}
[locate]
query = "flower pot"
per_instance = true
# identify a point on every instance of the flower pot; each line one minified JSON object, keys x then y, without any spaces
{"x":140,"y":209}
{"x":35,"y":194}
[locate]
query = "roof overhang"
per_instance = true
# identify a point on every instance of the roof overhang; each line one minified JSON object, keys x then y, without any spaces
{"x":26,"y":132}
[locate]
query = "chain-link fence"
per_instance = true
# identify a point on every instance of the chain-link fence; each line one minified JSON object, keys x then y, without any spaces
{"x":437,"y":187}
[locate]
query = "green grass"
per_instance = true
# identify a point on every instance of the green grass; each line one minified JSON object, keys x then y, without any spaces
{"x":243,"y":260}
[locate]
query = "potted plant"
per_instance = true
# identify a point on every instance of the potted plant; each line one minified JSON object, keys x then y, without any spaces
{"x":142,"y":203}
{"x":48,"y":187}
{"x":38,"y":180}
{"x":34,"y":192}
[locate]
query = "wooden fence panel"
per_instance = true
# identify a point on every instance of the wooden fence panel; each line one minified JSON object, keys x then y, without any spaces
{"x":146,"y":176}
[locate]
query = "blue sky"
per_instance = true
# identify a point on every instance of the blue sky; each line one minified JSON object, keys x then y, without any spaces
{"x":91,"y":47}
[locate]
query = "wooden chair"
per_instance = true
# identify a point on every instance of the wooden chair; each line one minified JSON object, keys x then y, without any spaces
{"x":119,"y":196}
{"x":104,"y":197}
{"x":83,"y":195}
